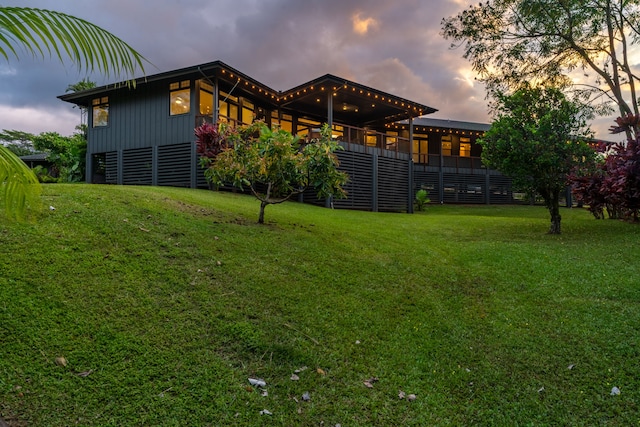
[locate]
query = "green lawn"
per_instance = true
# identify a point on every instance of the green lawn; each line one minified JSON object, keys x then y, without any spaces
{"x":164,"y":301}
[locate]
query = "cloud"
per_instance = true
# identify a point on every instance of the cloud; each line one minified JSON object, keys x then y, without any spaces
{"x":36,"y":120}
{"x":394,"y":46}
{"x":361,"y":25}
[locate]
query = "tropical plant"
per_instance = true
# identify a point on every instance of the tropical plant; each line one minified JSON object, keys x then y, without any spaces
{"x":538,"y":139}
{"x":211,"y":140}
{"x":275,"y":165}
{"x":614,"y":185}
{"x":44,"y":33}
{"x":422,"y":198}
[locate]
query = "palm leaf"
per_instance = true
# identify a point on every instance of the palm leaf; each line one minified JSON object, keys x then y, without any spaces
{"x":19,"y":187}
{"x":48,"y":33}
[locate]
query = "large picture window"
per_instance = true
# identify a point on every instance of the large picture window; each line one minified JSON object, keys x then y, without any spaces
{"x":180,"y":97}
{"x":100,"y":111}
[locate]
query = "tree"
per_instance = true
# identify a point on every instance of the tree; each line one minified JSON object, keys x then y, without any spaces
{"x":537,"y":139}
{"x":18,"y":142}
{"x":276,"y":166}
{"x":43,"y":33}
{"x":513,"y":41}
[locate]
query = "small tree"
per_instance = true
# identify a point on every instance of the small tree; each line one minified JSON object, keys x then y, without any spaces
{"x":275,"y":166}
{"x":536,"y":140}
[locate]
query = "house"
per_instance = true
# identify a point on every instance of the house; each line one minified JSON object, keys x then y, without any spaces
{"x":143,"y":134}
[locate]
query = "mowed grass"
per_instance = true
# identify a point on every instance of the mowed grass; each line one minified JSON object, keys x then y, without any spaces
{"x":164,"y":302}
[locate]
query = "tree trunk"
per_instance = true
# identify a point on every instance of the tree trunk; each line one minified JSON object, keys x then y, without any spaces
{"x":261,"y":217}
{"x":553,"y":204}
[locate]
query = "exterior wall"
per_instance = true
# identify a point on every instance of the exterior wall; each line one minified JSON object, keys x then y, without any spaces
{"x":139,"y":120}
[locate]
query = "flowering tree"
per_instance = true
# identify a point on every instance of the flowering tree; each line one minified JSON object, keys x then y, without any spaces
{"x":275,"y":165}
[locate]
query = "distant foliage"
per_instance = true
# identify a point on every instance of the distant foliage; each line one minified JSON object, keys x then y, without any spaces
{"x":66,"y":153}
{"x":614,"y":185}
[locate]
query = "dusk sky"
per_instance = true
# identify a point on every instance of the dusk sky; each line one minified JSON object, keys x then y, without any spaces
{"x":394,"y":46}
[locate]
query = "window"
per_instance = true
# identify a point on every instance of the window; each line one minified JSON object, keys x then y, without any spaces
{"x":465,"y":147}
{"x":228,"y":107}
{"x":446,"y":145}
{"x":180,"y":97}
{"x":371,"y":139}
{"x":206,"y":99}
{"x":247,"y":112}
{"x":100,"y":111}
{"x":420,"y":148}
{"x":284,"y":122}
{"x":306,"y":126}
{"x":391,"y":139}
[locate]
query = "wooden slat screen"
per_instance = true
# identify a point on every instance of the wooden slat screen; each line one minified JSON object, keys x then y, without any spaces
{"x":137,"y":166}
{"x":174,"y":165}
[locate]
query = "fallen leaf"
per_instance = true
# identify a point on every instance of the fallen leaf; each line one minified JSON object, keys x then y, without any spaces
{"x":306,"y":396}
{"x":143,"y":229}
{"x":411,"y":397}
{"x":61,"y":361}
{"x":401,"y":394}
{"x":320,"y":371}
{"x":294,"y":377}
{"x":297,"y":371}
{"x":368,"y":384}
{"x":85,"y":373}
{"x":257,"y":382}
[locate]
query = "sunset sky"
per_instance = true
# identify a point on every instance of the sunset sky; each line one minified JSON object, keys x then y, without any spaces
{"x":394,"y":46}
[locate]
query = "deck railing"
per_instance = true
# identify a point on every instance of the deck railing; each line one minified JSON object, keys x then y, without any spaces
{"x":372,"y":140}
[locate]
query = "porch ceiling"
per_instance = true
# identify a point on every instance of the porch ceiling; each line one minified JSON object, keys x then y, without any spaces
{"x":352,"y":103}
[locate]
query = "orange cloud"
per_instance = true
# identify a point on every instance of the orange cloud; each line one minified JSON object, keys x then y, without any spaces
{"x":361,"y":26}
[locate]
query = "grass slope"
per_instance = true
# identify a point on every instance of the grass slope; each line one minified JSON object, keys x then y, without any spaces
{"x":165,"y":301}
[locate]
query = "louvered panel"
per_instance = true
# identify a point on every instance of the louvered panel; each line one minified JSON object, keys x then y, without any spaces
{"x":500,"y":191}
{"x":137,"y":166}
{"x":174,"y":165}
{"x":463,"y":188}
{"x":359,"y":188}
{"x":111,"y":167}
{"x":393,"y":185}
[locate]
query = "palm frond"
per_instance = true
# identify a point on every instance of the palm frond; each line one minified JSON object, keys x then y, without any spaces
{"x":19,"y":187}
{"x":44,"y":32}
